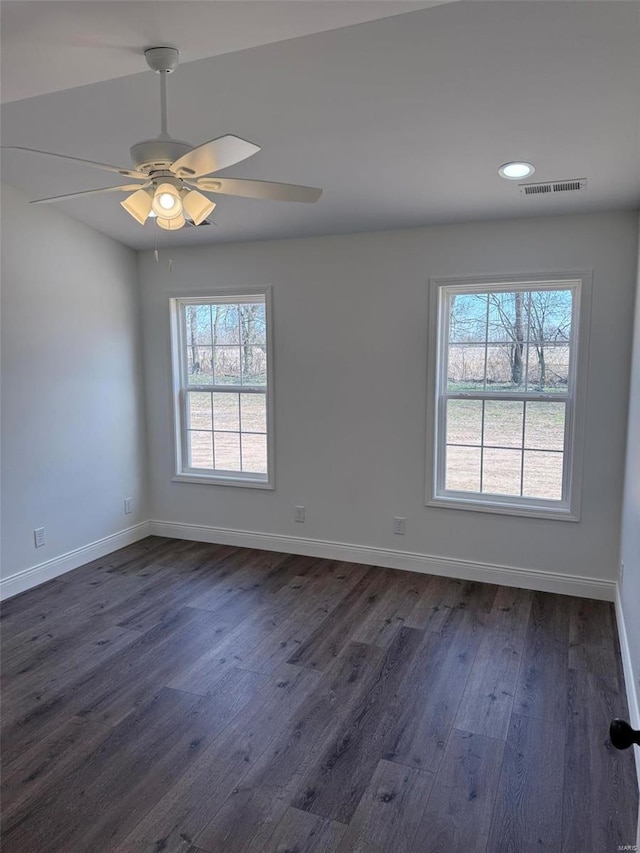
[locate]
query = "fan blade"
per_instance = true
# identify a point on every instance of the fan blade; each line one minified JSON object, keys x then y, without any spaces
{"x":127,"y":173}
{"x":212,"y":156}
{"x":258,"y":189}
{"x":128,"y":188}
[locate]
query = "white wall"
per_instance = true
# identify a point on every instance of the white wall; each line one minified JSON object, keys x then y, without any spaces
{"x":630,"y":548}
{"x":72,"y":413}
{"x":350,"y":354}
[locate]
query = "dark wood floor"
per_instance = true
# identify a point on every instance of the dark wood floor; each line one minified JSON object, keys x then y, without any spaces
{"x":176,"y":696}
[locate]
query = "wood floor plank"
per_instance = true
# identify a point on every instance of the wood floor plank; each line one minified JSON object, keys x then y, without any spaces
{"x":389,"y":812}
{"x":31,"y":607}
{"x":433,"y":604}
{"x":301,"y":832}
{"x":322,"y":594}
{"x":49,"y":760}
{"x":543,"y":680}
{"x":246,"y":821}
{"x":329,"y":639}
{"x":383,"y":621}
{"x":335,"y":698}
{"x":85,"y":601}
{"x":194,"y":801}
{"x":255,"y":575}
{"x":425,"y":706}
{"x":121,"y":560}
{"x":63,"y":658}
{"x":134,"y":765}
{"x":458,"y":812}
{"x":262,"y":638}
{"x":277,"y":648}
{"x":164,"y":593}
{"x":594,"y":701}
{"x":527,"y":815}
{"x":28,"y":606}
{"x":339,"y":773}
{"x":487,"y":701}
{"x":592,"y":630}
{"x":600,"y":791}
{"x":238,"y":635}
{"x":110,"y":690}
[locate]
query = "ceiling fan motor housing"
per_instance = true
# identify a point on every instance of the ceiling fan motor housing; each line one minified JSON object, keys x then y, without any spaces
{"x":162,"y":58}
{"x":154,"y":154}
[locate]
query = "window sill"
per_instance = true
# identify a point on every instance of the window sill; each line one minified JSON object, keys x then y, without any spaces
{"x":562,"y":513}
{"x":207,"y":480}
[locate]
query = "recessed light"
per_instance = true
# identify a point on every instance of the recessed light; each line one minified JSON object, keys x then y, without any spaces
{"x":516,"y":170}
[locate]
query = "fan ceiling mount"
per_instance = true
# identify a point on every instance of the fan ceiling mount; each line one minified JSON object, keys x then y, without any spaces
{"x":174,"y":175}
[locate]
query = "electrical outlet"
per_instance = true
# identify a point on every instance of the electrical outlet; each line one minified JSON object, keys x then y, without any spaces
{"x":399,"y":525}
{"x":299,"y":514}
{"x":128,"y":506}
{"x":38,"y":537}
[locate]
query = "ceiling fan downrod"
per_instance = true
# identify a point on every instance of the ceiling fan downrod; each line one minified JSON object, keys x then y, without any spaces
{"x":153,"y":155}
{"x":163,"y":60}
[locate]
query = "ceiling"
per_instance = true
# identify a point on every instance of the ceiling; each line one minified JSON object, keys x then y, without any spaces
{"x":403,"y":119}
{"x":77,"y":42}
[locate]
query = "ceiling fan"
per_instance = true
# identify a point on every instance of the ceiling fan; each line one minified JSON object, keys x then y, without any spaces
{"x":174,"y":174}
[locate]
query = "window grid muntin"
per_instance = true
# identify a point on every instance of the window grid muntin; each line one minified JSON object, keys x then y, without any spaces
{"x":445,"y":293}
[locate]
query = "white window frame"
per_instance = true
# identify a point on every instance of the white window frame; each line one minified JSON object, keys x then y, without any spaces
{"x":180,"y":389}
{"x":567,"y":509}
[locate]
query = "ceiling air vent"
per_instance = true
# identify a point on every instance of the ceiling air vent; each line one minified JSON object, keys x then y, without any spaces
{"x":553,"y":187}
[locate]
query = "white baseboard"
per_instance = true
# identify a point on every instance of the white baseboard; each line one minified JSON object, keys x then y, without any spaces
{"x":444,"y":566}
{"x":28,"y":578}
{"x":633,"y":701}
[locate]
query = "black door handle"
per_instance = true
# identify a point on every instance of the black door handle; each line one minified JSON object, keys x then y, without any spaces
{"x":622,"y":735}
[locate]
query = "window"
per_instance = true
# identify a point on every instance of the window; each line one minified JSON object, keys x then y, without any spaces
{"x":506,"y":409}
{"x":222,"y":388}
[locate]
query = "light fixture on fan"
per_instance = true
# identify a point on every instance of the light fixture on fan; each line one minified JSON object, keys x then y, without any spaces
{"x":166,"y":201}
{"x":174,"y":174}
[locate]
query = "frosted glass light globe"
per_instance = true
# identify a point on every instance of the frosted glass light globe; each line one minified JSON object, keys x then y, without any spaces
{"x":166,"y":201}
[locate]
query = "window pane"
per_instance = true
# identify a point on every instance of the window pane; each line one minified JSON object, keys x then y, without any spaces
{"x":549,"y":315}
{"x":463,"y":469}
{"x":199,"y":411}
{"x":501,"y":472}
{"x":464,"y":421}
{"x":199,"y":365}
{"x":465,"y":368}
{"x":227,"y":451}
{"x":225,"y":324}
{"x":227,"y":365}
{"x":253,"y":328}
{"x":542,"y":475}
{"x":254,"y":365}
{"x":507,"y":320}
{"x":503,"y":423}
{"x":254,"y":453}
{"x":468,"y":317}
{"x":198,"y":325}
{"x":225,"y":412}
{"x":544,"y":427}
{"x":505,"y":368}
{"x":200,"y":449}
{"x":548,"y":368}
{"x":254,"y":412}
